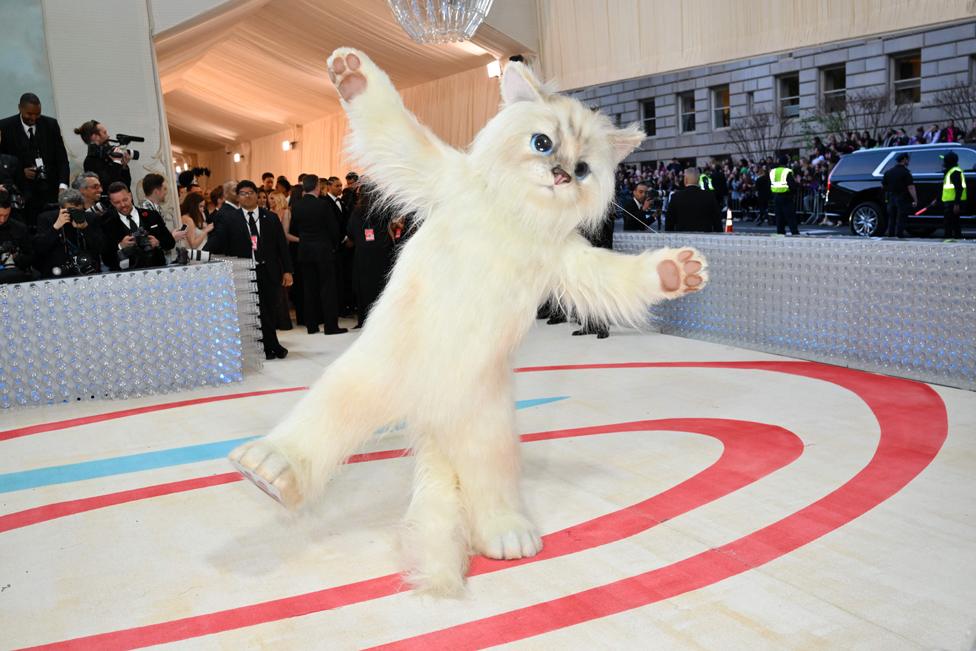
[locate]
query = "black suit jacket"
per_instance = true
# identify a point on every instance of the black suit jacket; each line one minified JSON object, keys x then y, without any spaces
{"x":232,"y":236}
{"x":108,"y":172}
{"x":317,"y":228}
{"x":50,"y":147}
{"x":114,"y":231}
{"x":693,"y":209}
{"x":633,"y":215}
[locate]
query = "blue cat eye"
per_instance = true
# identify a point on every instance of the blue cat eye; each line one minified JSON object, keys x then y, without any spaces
{"x":541,"y":143}
{"x":582,"y":170}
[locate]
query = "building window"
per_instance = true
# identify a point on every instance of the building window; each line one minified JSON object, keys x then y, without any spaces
{"x":618,"y":119}
{"x":906,"y":78}
{"x":686,"y":112}
{"x":833,"y":82}
{"x":789,"y":95}
{"x":649,"y":117}
{"x":721,"y":110}
{"x":750,"y":102}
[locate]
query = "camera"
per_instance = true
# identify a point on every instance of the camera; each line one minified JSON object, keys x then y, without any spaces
{"x":115,"y":150}
{"x":186,"y":256}
{"x":8,"y":251}
{"x":80,"y":264}
{"x":143,"y":244}
{"x":16,"y":196}
{"x":40,"y":174}
{"x":78,"y":216}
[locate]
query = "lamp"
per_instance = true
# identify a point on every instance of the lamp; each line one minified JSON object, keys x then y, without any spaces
{"x":288,"y":145}
{"x":440,"y":21}
{"x":237,"y":157}
{"x":494,"y":69}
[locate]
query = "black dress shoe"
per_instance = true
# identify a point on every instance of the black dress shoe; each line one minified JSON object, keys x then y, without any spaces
{"x":269,"y":355}
{"x":577,"y":333}
{"x":281,"y":353}
{"x":337,"y":331}
{"x":553,"y":320}
{"x":312,"y":332}
{"x":603,"y":334}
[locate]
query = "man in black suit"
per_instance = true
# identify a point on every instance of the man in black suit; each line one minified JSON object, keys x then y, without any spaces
{"x":369,"y":228}
{"x":135,"y":238}
{"x":104,"y":160}
{"x":36,"y":141}
{"x":634,"y":209}
{"x":344,"y":253}
{"x":253,"y":232}
{"x":69,"y":240}
{"x":317,"y":229}
{"x":693,"y":209}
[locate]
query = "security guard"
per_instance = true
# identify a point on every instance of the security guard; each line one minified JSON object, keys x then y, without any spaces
{"x":900,"y":194}
{"x":953,"y":195}
{"x":783,"y":186}
{"x":705,"y":180}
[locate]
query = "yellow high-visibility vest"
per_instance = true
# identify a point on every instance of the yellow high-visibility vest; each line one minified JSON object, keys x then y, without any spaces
{"x":777,"y":176}
{"x":949,"y":190}
{"x":705,"y":182}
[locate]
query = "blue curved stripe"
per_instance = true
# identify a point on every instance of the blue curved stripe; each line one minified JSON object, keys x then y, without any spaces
{"x":16,"y":481}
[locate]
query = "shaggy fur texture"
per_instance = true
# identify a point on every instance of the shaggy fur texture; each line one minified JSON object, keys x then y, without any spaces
{"x":500,"y":231}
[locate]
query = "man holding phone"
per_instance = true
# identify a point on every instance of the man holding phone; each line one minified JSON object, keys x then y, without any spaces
{"x":67,"y":243}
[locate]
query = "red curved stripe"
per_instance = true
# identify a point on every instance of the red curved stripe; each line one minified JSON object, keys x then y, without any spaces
{"x":6,"y":435}
{"x":914,"y":426}
{"x":751,"y":451}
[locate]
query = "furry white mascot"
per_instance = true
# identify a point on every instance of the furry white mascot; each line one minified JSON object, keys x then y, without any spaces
{"x":499,"y":232}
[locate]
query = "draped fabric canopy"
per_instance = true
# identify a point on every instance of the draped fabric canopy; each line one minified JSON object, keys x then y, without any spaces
{"x":252,"y":68}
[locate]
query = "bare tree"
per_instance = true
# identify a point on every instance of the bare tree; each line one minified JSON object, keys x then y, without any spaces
{"x":868,"y":110}
{"x":757,"y":135}
{"x":958,"y":103}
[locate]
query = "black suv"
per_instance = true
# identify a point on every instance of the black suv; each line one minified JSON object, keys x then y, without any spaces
{"x":854,"y":186}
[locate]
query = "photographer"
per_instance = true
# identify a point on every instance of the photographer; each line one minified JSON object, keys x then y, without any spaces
{"x":134,"y":237}
{"x":16,"y":253}
{"x":110,"y":162}
{"x":68,"y":242}
{"x":90,"y":187}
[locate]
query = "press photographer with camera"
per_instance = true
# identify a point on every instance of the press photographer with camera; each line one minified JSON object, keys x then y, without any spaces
{"x":16,"y":252}
{"x":135,"y":238}
{"x":69,"y":241}
{"x":90,"y":187}
{"x":107,"y":157}
{"x":36,"y":141}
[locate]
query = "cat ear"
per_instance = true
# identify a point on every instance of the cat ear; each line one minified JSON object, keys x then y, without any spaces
{"x":626,"y":140}
{"x":520,"y":85}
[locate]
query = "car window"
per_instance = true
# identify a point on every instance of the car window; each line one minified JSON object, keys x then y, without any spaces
{"x":925,"y":161}
{"x":967,"y":159}
{"x":858,"y":164}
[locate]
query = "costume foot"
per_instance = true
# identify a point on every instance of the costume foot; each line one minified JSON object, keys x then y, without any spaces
{"x":345,"y":72}
{"x":683,"y":271}
{"x":267,"y":469}
{"x":507,"y":537}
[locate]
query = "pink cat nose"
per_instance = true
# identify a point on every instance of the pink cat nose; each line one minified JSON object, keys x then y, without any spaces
{"x":560,"y":176}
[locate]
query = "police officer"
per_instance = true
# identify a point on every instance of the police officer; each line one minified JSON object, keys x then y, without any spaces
{"x":783,"y":187}
{"x":953,"y":195}
{"x":705,"y":180}
{"x":899,"y":189}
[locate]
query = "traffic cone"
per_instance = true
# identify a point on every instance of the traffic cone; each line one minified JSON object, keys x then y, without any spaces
{"x":728,"y":220}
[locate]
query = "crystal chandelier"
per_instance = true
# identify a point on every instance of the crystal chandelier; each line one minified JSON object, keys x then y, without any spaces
{"x":440,"y":21}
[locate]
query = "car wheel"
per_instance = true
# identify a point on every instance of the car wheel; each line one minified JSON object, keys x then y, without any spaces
{"x":866,"y":219}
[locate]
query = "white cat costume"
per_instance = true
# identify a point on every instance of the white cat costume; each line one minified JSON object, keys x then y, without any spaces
{"x":498,"y":234}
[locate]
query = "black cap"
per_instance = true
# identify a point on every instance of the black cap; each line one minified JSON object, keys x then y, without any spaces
{"x":950,"y":159}
{"x":902,"y":156}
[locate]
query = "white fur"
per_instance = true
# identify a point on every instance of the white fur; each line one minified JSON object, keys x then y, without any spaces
{"x":496,"y":239}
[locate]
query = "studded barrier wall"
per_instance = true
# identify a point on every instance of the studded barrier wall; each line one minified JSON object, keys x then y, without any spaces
{"x":904,"y":308}
{"x":121,"y":335}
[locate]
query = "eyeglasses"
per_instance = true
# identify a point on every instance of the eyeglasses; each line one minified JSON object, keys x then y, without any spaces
{"x":245,"y":193}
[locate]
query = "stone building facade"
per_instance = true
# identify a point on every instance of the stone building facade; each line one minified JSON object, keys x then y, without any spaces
{"x":687,"y":113}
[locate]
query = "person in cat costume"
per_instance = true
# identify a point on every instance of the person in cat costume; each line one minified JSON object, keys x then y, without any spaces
{"x":440,"y":340}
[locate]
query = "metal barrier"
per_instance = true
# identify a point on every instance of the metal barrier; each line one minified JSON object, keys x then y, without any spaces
{"x":905,"y":308}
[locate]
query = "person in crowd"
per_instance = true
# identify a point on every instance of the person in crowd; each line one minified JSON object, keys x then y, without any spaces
{"x":933,"y":135}
{"x":69,"y":240}
{"x":282,"y":315}
{"x":35,"y":140}
{"x":192,"y":217}
{"x":899,"y":188}
{"x":318,"y":237}
{"x":634,"y":209}
{"x":251,"y":232}
{"x":267,"y":183}
{"x":282,"y":186}
{"x":110,"y":163}
{"x":278,"y":202}
{"x":372,"y":250}
{"x":350,"y":194}
{"x":134,"y":237}
{"x":951,"y":133}
{"x":262,"y":198}
{"x":344,"y":252}
{"x":719,"y":184}
{"x":11,"y":173}
{"x":90,"y":187}
{"x":692,"y":209}
{"x":155,"y":191}
{"x":16,"y":248}
{"x":954,"y":195}
{"x":784,"y":186}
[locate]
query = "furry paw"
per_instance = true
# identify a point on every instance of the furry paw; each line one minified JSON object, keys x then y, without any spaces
{"x":681,"y":272}
{"x":508,"y":537}
{"x":267,"y":469}
{"x":346,"y":72}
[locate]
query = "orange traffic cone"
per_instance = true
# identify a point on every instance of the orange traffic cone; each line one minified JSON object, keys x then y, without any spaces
{"x":728,"y":220}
